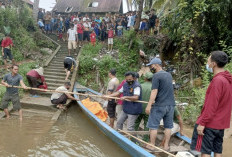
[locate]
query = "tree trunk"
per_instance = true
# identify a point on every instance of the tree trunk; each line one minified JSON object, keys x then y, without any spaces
{"x":150,"y":3}
{"x":128,"y":5}
{"x":35,"y":9}
{"x":140,"y":3}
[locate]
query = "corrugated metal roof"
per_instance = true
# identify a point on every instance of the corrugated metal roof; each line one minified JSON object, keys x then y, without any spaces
{"x":82,"y":6}
{"x":29,"y":2}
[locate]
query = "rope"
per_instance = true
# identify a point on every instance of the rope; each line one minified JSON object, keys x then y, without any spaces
{"x":146,"y":143}
{"x":82,"y":94}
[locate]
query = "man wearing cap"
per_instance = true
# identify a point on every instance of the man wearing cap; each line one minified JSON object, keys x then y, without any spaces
{"x":161,"y":104}
{"x":146,"y":88}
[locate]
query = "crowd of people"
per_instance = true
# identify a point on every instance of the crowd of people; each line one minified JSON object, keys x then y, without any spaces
{"x":86,"y":28}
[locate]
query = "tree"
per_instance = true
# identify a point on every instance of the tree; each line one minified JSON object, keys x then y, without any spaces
{"x":35,"y":9}
{"x":140,"y":3}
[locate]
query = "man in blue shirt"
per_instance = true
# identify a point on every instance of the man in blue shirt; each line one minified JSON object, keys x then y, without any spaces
{"x":161,"y":104}
{"x":131,"y":91}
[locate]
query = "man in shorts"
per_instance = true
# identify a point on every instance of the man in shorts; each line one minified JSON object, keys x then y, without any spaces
{"x":6,"y":45}
{"x":131,"y":91}
{"x":12,"y":94}
{"x":72,"y":39}
{"x":69,"y":65}
{"x":80,"y":31}
{"x":60,"y":99}
{"x":110,"y":39}
{"x":112,"y":86}
{"x":216,"y":113}
{"x":161,"y":104}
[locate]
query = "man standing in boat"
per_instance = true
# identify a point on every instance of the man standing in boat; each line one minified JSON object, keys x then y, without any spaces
{"x":216,"y":113}
{"x":12,"y":94}
{"x":112,"y":86}
{"x":146,"y":88}
{"x":131,"y":91}
{"x":161,"y":104}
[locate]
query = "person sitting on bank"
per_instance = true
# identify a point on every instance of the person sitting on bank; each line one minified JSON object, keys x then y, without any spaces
{"x":146,"y":88}
{"x":7,"y":45}
{"x":12,"y":94}
{"x":35,"y":77}
{"x":131,"y":91}
{"x":60,"y":99}
{"x":69,"y":65}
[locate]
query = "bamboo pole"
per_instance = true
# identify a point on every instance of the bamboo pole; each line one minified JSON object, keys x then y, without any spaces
{"x":82,"y":94}
{"x":147,"y":143}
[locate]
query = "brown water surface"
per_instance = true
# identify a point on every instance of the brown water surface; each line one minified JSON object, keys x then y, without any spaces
{"x":73,"y":135}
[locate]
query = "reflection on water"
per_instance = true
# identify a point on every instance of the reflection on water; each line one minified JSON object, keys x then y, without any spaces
{"x":72,"y":135}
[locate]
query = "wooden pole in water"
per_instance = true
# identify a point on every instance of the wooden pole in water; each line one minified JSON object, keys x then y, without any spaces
{"x":54,"y":91}
{"x":146,"y":143}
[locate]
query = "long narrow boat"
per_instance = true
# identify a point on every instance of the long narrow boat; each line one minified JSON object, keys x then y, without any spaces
{"x":181,"y":143}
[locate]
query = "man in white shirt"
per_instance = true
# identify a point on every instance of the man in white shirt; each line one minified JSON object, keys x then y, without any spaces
{"x":60,"y":99}
{"x":72,"y":39}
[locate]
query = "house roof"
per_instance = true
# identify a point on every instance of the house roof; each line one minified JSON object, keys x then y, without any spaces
{"x":82,"y":6}
{"x":28,"y":2}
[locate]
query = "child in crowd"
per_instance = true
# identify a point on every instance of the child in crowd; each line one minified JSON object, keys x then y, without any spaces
{"x":119,"y":29}
{"x":97,"y":29}
{"x":110,"y":39}
{"x":41,"y":25}
{"x":60,"y":30}
{"x":157,"y":25}
{"x":93,"y":38}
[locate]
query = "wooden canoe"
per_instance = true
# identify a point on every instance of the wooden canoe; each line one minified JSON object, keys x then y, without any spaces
{"x":178,"y":143}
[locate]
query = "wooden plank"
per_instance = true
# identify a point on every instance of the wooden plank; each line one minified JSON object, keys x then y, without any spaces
{"x":73,"y":79}
{"x":52,"y":56}
{"x":173,"y":149}
{"x":56,"y":115}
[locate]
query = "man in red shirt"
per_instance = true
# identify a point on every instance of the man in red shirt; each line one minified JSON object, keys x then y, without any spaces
{"x":216,"y":112}
{"x":80,"y":30}
{"x":6,"y":45}
{"x":110,"y":39}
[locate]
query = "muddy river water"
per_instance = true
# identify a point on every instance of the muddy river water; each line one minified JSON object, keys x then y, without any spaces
{"x":73,"y":135}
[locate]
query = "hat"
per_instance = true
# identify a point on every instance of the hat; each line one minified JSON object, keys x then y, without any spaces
{"x":155,"y":61}
{"x":148,"y":75}
{"x":40,"y":71}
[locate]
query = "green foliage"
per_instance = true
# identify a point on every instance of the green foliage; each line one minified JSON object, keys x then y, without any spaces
{"x":18,"y":22}
{"x":87,"y":62}
{"x":40,"y":41}
{"x":2,"y":92}
{"x":7,"y":30}
{"x":95,"y":66}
